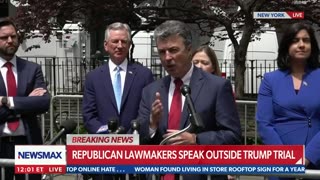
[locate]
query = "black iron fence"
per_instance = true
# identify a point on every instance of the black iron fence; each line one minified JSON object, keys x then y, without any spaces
{"x":255,"y":70}
{"x":65,"y":75}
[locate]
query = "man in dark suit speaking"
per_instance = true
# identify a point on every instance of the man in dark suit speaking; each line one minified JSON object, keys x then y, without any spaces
{"x":163,"y":110}
{"x":23,"y":95}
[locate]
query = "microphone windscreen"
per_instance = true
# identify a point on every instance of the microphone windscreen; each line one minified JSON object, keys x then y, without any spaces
{"x":135,"y":124}
{"x":69,"y":126}
{"x":113,"y":123}
{"x":185,"y":89}
{"x":120,"y":130}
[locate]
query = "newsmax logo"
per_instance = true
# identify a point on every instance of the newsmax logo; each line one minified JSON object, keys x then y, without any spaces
{"x":40,"y":154}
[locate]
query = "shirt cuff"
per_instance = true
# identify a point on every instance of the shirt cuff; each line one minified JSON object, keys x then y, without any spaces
{"x":11,"y":103}
{"x":102,"y":129}
{"x":152,"y":132}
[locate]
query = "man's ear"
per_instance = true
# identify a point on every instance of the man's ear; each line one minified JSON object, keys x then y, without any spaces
{"x":20,"y":36}
{"x":105,"y":45}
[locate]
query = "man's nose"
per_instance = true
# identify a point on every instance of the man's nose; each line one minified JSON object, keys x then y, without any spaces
{"x":120,"y":44}
{"x":9,"y":39}
{"x":168,"y":56}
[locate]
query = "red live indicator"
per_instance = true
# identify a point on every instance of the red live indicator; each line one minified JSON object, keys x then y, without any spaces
{"x":296,"y":14}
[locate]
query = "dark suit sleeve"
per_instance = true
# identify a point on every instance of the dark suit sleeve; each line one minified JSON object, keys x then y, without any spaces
{"x":144,"y":116}
{"x":89,"y":107}
{"x":6,"y":114}
{"x":33,"y":104}
{"x":228,"y":130}
{"x":265,"y":113}
{"x":149,"y":78}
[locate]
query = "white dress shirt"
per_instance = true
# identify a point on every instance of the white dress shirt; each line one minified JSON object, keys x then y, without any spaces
{"x":5,"y":130}
{"x":186,"y":80}
{"x":112,"y":69}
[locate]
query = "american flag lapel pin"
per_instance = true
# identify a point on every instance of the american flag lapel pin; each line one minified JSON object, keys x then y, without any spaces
{"x":305,"y":83}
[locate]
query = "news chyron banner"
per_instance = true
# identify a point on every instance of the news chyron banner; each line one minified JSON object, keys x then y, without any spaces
{"x":89,"y":156}
{"x":40,"y":159}
{"x":279,"y":15}
{"x":122,"y":154}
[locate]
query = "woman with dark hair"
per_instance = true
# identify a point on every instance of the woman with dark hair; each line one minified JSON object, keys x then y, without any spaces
{"x":288,"y":110}
{"x":205,"y":58}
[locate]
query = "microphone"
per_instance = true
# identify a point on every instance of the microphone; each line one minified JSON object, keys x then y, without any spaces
{"x":135,"y":126}
{"x":195,"y":119}
{"x":120,"y":130}
{"x":195,"y":124}
{"x":65,"y":128}
{"x":113,"y":124}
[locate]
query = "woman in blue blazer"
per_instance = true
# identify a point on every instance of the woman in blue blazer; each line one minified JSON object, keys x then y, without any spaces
{"x":288,"y":109}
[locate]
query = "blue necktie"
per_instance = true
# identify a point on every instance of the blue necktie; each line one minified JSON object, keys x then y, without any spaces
{"x":117,"y":87}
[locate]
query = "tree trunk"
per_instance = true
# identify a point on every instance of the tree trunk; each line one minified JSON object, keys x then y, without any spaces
{"x":240,"y":69}
{"x":240,"y":58}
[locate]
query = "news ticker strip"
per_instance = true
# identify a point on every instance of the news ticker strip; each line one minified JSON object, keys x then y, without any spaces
{"x":136,"y":169}
{"x":231,"y":169}
{"x":279,"y":15}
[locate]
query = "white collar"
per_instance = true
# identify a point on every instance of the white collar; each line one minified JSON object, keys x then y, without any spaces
{"x":123,"y":65}
{"x":13,"y":61}
{"x":186,"y":78}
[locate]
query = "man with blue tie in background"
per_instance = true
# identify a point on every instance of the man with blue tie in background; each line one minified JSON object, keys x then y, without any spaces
{"x":23,"y":95}
{"x":113,"y":91}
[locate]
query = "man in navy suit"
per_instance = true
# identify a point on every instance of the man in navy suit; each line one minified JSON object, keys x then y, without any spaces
{"x":114,"y":89}
{"x":212,"y":97}
{"x":23,"y":95}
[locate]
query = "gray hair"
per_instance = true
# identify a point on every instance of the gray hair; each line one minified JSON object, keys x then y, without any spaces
{"x":173,"y":27}
{"x":117,"y":26}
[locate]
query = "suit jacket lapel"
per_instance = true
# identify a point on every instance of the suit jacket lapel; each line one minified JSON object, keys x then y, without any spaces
{"x":22,"y":73}
{"x":196,"y":83}
{"x":3,"y":91}
{"x":128,"y":82}
{"x":164,"y":91}
{"x":105,"y":72}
